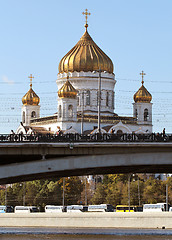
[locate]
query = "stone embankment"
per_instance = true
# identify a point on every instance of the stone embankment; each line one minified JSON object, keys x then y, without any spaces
{"x":88,"y":220}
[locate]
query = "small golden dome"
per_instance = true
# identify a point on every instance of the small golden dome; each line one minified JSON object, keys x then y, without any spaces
{"x":85,"y":56}
{"x":142,"y":95}
{"x":30,"y":98}
{"x":67,"y":91}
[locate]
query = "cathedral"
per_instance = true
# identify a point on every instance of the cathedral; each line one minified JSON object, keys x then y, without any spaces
{"x":85,"y":104}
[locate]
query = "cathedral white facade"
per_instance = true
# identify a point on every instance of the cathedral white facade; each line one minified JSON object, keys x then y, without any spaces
{"x":79,"y":76}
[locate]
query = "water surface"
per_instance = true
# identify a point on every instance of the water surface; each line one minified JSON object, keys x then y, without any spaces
{"x":83,"y":234}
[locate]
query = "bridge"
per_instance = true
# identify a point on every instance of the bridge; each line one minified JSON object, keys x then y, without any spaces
{"x":28,"y":157}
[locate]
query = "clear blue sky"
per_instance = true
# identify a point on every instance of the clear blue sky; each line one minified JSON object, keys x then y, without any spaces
{"x":36,"y":34}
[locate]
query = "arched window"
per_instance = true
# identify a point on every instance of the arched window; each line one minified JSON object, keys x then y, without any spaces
{"x":60,"y":111}
{"x":77,"y":100}
{"x":146,"y":114}
{"x":23,"y":117}
{"x":97,"y":98}
{"x":107,"y":99}
{"x":119,"y":132}
{"x":113,"y":100}
{"x":33,"y":114}
{"x":136,"y":114}
{"x":88,"y":98}
{"x":70,"y":111}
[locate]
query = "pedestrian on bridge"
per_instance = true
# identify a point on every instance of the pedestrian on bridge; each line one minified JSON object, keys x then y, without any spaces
{"x":163,"y":132}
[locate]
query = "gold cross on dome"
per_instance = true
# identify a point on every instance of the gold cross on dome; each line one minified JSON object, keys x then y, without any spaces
{"x":31,"y":77}
{"x":86,"y":13}
{"x":142,"y":73}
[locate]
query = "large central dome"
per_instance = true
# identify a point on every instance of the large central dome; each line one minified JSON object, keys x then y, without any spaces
{"x":85,"y":56}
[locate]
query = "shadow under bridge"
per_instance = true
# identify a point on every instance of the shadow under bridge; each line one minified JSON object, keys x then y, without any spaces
{"x":30,"y":161}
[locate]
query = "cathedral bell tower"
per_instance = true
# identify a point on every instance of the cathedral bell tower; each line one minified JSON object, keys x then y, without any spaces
{"x":142,"y":106}
{"x":67,"y":105}
{"x":30,"y":108}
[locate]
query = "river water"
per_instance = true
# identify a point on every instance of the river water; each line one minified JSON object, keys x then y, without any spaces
{"x":83,"y":234}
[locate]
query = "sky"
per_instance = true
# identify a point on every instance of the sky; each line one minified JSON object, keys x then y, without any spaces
{"x":36,"y":34}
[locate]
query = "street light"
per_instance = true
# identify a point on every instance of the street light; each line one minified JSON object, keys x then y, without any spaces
{"x":85,"y":190}
{"x":24,"y":192}
{"x":82,"y":110}
{"x":63,"y":191}
{"x":166,"y":192}
{"x":6,"y":195}
{"x":99,"y":97}
{"x":138,"y":181}
{"x":129,"y":179}
{"x":82,"y":114}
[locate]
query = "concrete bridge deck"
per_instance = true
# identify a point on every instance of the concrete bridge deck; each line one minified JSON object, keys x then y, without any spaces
{"x":28,"y":161}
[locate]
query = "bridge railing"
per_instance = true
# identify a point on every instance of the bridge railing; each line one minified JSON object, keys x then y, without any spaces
{"x":153,"y":137}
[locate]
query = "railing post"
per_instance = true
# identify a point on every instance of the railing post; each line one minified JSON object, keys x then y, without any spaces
{"x":97,"y":137}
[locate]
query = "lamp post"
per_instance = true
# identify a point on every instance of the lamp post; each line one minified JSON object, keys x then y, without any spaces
{"x":6,"y":195}
{"x":85,"y":190}
{"x":99,"y":97}
{"x":82,"y":113}
{"x":23,"y":187}
{"x":129,"y":178}
{"x":24,"y":193}
{"x":63,"y":191}
{"x":138,"y":181}
{"x":166,"y":193}
{"x":99,"y":100}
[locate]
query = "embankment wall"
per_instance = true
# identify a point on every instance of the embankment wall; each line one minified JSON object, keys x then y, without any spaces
{"x":88,"y":220}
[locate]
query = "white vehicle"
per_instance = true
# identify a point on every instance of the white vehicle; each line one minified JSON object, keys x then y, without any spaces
{"x":77,"y":208}
{"x":25,"y":209}
{"x":54,"y":209}
{"x":157,"y":207}
{"x":101,"y":208}
{"x":170,"y":209}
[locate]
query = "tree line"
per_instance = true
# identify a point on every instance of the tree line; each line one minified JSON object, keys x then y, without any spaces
{"x":113,"y":189}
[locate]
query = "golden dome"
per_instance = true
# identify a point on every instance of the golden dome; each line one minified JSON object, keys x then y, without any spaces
{"x":142,"y":95}
{"x":67,"y":91}
{"x":85,"y":56}
{"x":30,"y":98}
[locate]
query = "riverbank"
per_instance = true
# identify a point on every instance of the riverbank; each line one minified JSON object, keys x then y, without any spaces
{"x":24,"y":233}
{"x":162,"y":220}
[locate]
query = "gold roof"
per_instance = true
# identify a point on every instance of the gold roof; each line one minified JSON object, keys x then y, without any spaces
{"x":85,"y":56}
{"x":142,"y":95}
{"x":67,"y":90}
{"x":30,"y":98}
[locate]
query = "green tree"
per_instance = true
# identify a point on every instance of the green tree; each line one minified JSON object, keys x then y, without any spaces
{"x":99,"y":196}
{"x":114,"y":192}
{"x":73,"y":189}
{"x":2,"y":196}
{"x":55,"y":193}
{"x":154,"y":191}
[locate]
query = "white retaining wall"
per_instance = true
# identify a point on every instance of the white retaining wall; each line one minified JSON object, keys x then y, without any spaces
{"x":88,"y":220}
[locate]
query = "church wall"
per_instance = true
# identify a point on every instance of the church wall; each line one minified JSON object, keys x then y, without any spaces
{"x":65,"y":103}
{"x":125,"y":128}
{"x":27,"y":112}
{"x":141,"y":106}
{"x":88,"y":81}
{"x":140,"y":128}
